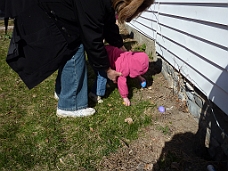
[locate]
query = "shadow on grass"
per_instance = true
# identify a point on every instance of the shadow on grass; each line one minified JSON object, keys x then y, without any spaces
{"x":180,"y":154}
{"x":177,"y":154}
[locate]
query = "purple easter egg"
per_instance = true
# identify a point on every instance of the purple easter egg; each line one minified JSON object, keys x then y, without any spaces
{"x":161,"y":109}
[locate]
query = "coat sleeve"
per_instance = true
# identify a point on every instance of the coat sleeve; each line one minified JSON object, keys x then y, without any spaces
{"x":14,"y":8}
{"x":111,"y":32}
{"x":122,"y":86}
{"x":92,"y":17}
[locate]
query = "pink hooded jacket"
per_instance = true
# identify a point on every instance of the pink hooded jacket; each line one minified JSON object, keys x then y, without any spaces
{"x":128,"y":63}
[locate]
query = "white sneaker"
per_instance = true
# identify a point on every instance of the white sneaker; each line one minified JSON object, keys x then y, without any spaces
{"x":56,"y":96}
{"x":75,"y":113}
{"x":95,"y":98}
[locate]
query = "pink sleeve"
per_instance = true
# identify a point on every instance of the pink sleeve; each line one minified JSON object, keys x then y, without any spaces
{"x":122,"y":86}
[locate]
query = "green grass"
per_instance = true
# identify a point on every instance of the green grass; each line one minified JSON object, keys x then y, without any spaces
{"x":33,"y":138}
{"x":140,"y":48}
{"x":165,"y":130}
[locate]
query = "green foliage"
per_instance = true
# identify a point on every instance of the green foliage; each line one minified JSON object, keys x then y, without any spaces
{"x":33,"y":138}
{"x":6,"y":36}
{"x":151,"y":56}
{"x":165,"y":130}
{"x":140,"y":48}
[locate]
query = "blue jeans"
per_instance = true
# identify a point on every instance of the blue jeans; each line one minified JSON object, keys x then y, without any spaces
{"x":99,"y":86}
{"x":71,"y":83}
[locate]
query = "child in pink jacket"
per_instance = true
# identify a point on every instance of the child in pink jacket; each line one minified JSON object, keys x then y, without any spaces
{"x":132,"y":64}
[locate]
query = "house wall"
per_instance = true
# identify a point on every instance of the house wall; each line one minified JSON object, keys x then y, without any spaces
{"x":191,"y":39}
{"x":192,"y":36}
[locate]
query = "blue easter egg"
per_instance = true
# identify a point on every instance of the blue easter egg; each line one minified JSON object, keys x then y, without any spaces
{"x":143,"y":84}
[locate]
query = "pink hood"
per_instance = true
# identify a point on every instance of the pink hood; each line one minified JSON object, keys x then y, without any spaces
{"x":128,"y":63}
{"x":138,"y":64}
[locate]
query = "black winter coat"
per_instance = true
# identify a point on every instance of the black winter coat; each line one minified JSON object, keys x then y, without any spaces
{"x":48,"y":32}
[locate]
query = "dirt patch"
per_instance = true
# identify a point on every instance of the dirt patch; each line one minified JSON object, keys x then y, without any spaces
{"x":170,"y":143}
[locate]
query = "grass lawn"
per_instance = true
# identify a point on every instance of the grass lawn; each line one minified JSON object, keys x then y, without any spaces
{"x":32,"y":137}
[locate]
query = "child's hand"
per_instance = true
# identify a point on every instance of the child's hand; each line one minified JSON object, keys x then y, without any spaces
{"x":126,"y":101}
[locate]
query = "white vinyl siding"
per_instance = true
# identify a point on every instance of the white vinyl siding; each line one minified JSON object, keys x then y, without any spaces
{"x":193,"y":37}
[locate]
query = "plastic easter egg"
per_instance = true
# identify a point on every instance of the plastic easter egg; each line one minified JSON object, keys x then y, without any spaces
{"x":161,"y":109}
{"x":143,"y":84}
{"x":210,"y":168}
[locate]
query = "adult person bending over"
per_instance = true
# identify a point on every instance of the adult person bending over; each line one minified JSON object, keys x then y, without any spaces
{"x":50,"y":35}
